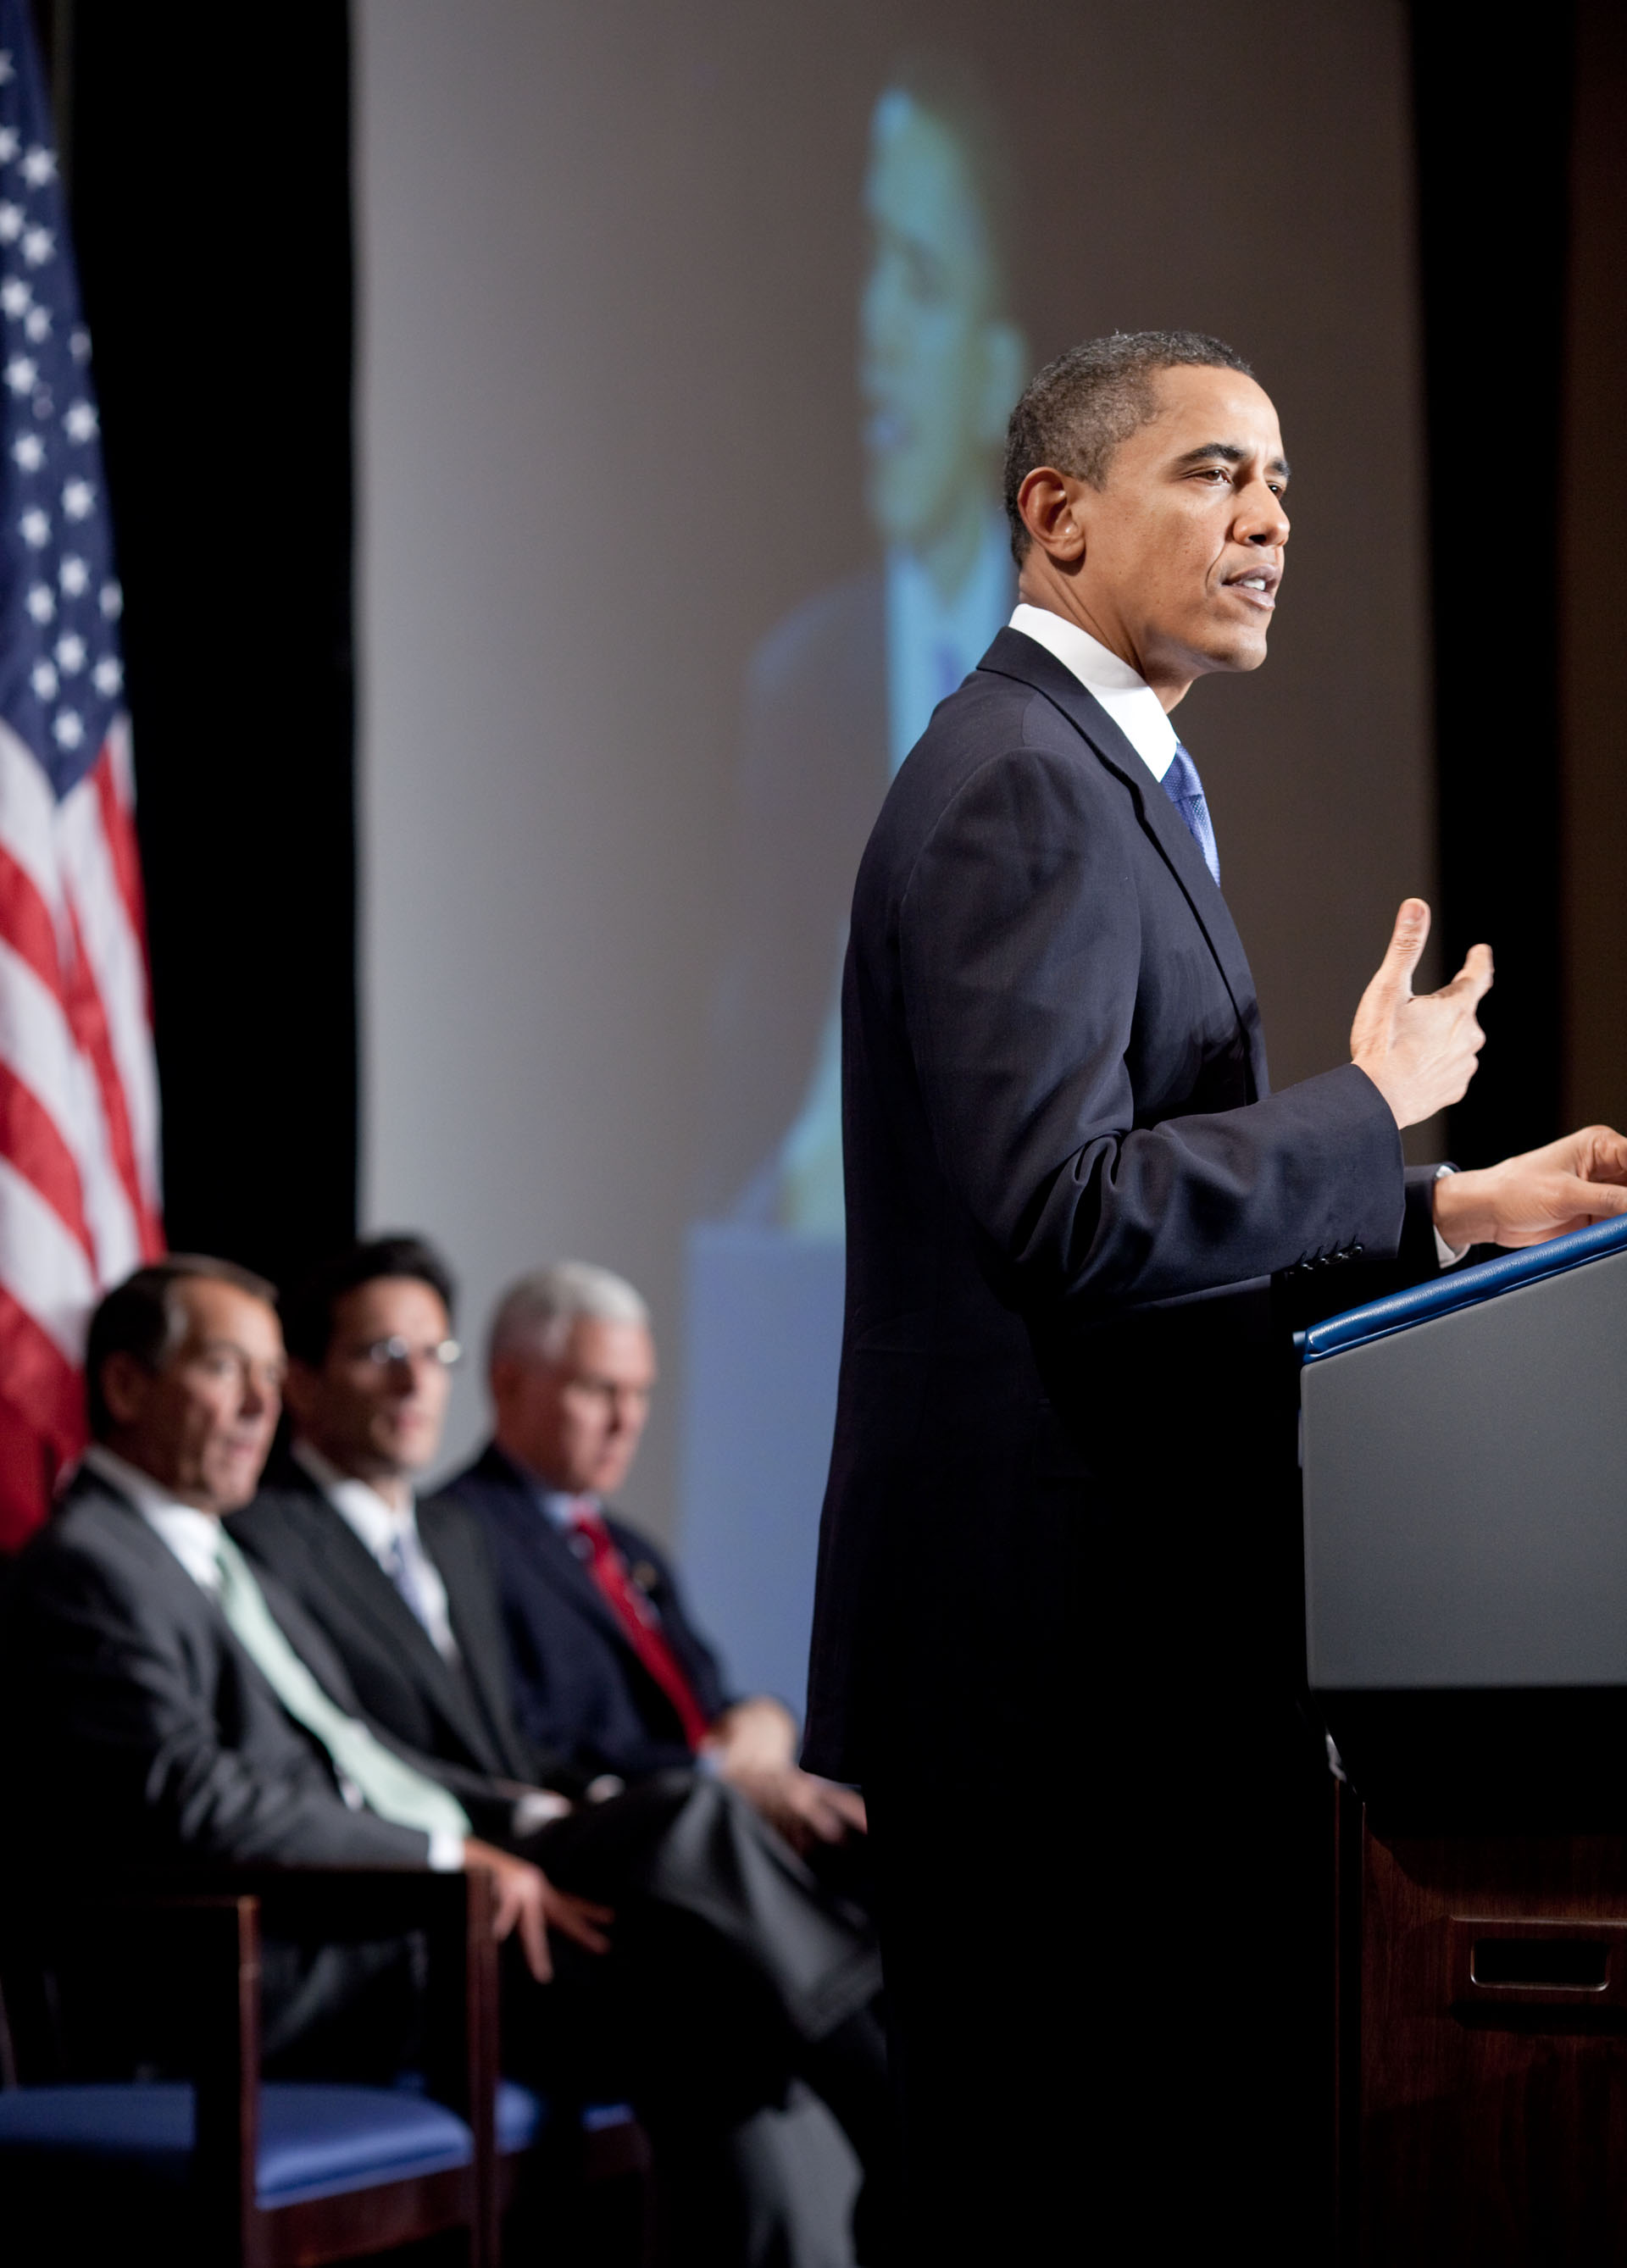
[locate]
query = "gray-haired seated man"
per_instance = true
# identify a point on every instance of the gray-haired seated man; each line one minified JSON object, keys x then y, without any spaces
{"x":731,"y":1970}
{"x":609,"y":1667}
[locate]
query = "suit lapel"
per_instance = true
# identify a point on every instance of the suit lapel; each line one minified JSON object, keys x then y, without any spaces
{"x":144,"y":1540}
{"x":1014,"y":656}
{"x":368,"y":1593}
{"x":551,"y":1553}
{"x":190,"y":1603}
{"x":444,"y":1532}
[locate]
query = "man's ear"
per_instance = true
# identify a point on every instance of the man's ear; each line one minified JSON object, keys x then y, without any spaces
{"x":126,"y":1384}
{"x":1046,"y":501}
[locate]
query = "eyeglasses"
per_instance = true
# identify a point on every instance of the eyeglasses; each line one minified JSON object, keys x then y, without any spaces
{"x":385,"y":1353}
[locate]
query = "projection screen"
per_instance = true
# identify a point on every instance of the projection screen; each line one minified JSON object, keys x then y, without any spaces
{"x":687,"y":339}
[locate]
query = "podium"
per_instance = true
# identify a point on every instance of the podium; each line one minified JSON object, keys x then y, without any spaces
{"x":1464,"y":1453}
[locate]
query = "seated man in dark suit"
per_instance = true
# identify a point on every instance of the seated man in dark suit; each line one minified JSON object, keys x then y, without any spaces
{"x":183,"y":1715}
{"x":402,"y":1586}
{"x":709,"y":1907}
{"x":609,"y":1670}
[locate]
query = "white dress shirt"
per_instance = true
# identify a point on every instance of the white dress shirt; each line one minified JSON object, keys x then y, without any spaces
{"x":1128,"y":699}
{"x":1140,"y":716}
{"x":382,"y":1529}
{"x":191,"y":1534}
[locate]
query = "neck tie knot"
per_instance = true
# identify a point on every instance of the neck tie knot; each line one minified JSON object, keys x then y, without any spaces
{"x":1185,"y":790}
{"x":399,"y":1567}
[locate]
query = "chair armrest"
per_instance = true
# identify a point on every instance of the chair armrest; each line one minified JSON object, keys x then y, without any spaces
{"x":210,"y":1943}
{"x":454,"y":1913}
{"x":350,"y":1902}
{"x":212,"y":1937}
{"x":213,"y":1934}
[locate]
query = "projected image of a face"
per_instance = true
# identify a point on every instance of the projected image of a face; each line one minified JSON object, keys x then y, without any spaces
{"x":938,"y":365}
{"x":836,"y":693}
{"x":941,"y":363}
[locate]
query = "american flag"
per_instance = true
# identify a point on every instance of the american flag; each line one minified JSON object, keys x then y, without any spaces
{"x":78,"y":1087}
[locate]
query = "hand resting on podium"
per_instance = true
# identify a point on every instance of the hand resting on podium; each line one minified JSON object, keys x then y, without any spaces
{"x":1541,"y":1193}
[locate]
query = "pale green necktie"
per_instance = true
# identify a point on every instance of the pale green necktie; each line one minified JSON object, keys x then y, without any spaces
{"x":385,"y":1785}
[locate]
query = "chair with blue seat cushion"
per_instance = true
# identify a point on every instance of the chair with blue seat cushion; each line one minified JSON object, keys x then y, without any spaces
{"x":315,"y":2140}
{"x":277,"y":2173}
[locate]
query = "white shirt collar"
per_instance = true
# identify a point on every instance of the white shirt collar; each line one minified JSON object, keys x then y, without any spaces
{"x":562,"y":1508}
{"x":1128,"y":699}
{"x":388,"y":1535}
{"x":376,"y":1521}
{"x":191,"y":1534}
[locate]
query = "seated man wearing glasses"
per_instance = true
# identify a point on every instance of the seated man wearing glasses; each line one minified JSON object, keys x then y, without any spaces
{"x":732,"y":1971}
{"x":399,"y":1585}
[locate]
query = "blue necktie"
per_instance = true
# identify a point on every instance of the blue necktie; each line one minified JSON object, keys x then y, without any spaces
{"x":403,"y":1574}
{"x":1185,"y":790}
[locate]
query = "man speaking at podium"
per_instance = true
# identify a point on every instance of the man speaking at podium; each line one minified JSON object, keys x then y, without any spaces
{"x":1059,"y":1623}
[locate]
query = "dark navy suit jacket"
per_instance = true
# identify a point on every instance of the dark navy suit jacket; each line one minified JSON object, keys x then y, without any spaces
{"x":1061,"y":1512}
{"x":459,"y":1714}
{"x":579,"y":1689}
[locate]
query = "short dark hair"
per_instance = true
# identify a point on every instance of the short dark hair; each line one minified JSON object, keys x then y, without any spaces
{"x":308,"y":1308}
{"x":944,"y":89}
{"x":1075,"y":412}
{"x":143,"y":1317}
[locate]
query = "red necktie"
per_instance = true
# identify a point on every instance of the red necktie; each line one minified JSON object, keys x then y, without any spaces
{"x":638,"y":1620}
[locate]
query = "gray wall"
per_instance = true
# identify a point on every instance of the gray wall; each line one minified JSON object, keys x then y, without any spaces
{"x":608,"y":256}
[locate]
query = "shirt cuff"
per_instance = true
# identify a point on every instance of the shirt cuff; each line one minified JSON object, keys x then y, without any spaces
{"x":537,"y":1809}
{"x":445,"y":1852}
{"x":1447,"y":1255}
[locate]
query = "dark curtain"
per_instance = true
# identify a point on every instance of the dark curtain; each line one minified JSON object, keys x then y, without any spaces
{"x":208,"y":153}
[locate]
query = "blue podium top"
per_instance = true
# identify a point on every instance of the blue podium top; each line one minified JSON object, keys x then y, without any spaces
{"x":1460,"y":1288}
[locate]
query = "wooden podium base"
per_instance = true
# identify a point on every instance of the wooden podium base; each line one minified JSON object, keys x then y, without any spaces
{"x":1482,"y":2048}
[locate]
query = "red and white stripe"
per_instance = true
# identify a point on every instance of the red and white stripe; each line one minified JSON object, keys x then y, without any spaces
{"x":78,"y":1084}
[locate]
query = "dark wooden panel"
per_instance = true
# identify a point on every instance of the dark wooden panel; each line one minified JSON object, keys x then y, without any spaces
{"x":366,"y":2221}
{"x":1493,"y":2051}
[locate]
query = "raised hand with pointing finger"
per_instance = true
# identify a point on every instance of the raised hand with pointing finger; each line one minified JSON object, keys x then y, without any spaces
{"x":1420,"y":1050}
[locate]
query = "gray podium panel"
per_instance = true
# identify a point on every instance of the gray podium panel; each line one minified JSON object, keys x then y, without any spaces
{"x":1465,"y":1496}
